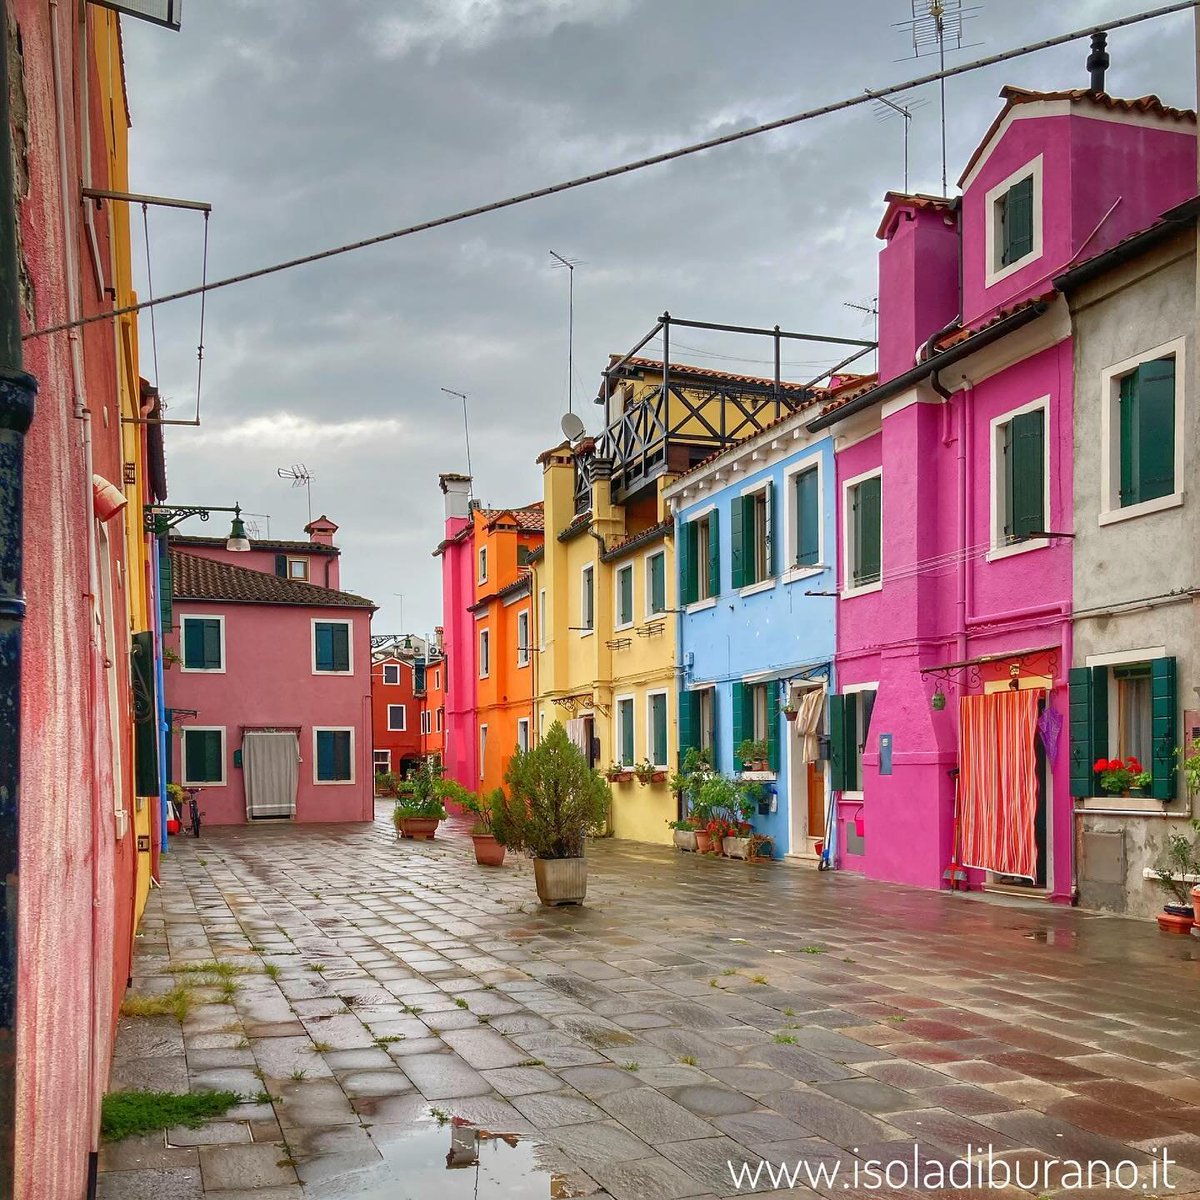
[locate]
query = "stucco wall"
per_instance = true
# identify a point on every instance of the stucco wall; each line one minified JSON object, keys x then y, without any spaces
{"x":458,"y":594}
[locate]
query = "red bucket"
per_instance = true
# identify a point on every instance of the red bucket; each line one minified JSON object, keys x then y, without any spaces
{"x":858,"y":826}
{"x":172,"y":826}
{"x":819,"y":848}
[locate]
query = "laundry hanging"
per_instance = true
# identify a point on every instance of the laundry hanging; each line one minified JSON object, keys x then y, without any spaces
{"x":809,"y":712}
{"x":577,"y":734}
{"x":998,"y":782}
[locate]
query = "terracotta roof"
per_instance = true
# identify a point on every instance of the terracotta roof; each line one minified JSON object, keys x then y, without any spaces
{"x":653,"y":534}
{"x":196,"y":578}
{"x":1012,"y":96}
{"x":710,"y":373}
{"x":576,"y":526}
{"x":917,"y":200}
{"x":257,"y":544}
{"x":961,"y":335}
{"x":529,"y":519}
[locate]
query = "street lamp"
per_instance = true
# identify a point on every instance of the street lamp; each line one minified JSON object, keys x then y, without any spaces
{"x":159,"y":519}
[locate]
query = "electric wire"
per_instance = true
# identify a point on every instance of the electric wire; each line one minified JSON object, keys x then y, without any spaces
{"x":627,"y":168}
{"x":150,"y":290}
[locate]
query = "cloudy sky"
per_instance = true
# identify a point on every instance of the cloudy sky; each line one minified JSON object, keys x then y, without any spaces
{"x":308,"y":123}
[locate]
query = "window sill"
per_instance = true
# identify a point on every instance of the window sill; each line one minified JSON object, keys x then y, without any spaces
{"x":1159,"y":504}
{"x":864,"y":590}
{"x":1135,"y":806}
{"x":700,"y":605}
{"x":522,"y":665}
{"x":759,"y":776}
{"x":623,"y":625}
{"x":585,"y":632}
{"x":796,"y":574}
{"x":343,"y":674}
{"x":755,"y":589}
{"x":332,"y":782}
{"x":998,"y":274}
{"x":999,"y":552}
{"x":201,"y":670}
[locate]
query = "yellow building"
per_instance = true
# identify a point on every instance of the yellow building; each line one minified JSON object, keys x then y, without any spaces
{"x":605,"y":584}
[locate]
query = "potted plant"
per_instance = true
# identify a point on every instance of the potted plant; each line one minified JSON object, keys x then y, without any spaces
{"x":714,"y":805}
{"x":684,"y":835}
{"x":789,"y":710}
{"x":644,"y":772}
{"x":1177,"y":860}
{"x":736,"y":841}
{"x":178,"y":798}
{"x":1117,"y":775}
{"x":488,"y":811}
{"x":419,"y":808}
{"x":619,"y":773}
{"x":554,"y":802}
{"x":752,"y":753}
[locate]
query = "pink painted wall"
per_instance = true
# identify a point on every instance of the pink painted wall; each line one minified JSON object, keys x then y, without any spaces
{"x":461,"y":755}
{"x":269,"y":681}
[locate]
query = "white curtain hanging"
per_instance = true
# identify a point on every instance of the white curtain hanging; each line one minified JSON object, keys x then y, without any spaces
{"x":811,"y":708}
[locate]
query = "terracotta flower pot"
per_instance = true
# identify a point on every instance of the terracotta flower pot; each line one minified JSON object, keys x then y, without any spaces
{"x":790,"y":714}
{"x":488,"y":851}
{"x":1174,"y":923}
{"x":703,"y":841}
{"x":560,"y":880}
{"x":685,"y":839}
{"x":421,"y":829}
{"x":1196,"y":905}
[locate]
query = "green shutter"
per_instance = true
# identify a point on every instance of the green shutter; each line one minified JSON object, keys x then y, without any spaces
{"x":341,"y":647}
{"x":774,"y":717}
{"x":281,"y":565}
{"x":1024,"y":449}
{"x":689,"y":722}
{"x":1156,"y":428}
{"x":867,"y":527}
{"x":341,"y":755}
{"x":193,"y":643}
{"x":325,"y":754}
{"x":212,"y":755}
{"x":1018,"y":221}
{"x":658,"y":721}
{"x":807,"y":518}
{"x":739,"y":544}
{"x":1088,"y":726}
{"x":657,"y":583}
{"x":742,"y":717}
{"x":419,"y":677}
{"x":714,"y":553}
{"x":837,"y":747}
{"x":627,"y":747}
{"x":625,"y":579}
{"x":688,"y":574}
{"x":1164,"y":704}
{"x":166,"y":588}
{"x":212,"y":645}
{"x":769,"y":557}
{"x":1128,"y":411}
{"x":145,"y":715}
{"x":202,"y":755}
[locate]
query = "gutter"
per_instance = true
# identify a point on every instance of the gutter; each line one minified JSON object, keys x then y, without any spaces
{"x":931,"y":367}
{"x":17,"y":396}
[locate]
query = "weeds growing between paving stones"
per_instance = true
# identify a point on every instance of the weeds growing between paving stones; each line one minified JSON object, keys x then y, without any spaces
{"x":788,"y":1012}
{"x":813,"y":950}
{"x":318,"y":968}
{"x":461,"y":1002}
{"x":785,"y":1039}
{"x":729,"y":971}
{"x":177,"y":1003}
{"x":123,"y":1114}
{"x":229,"y":989}
{"x":631,"y":1066}
{"x":271,"y":970}
{"x":299,"y":1073}
{"x":322,"y":1047}
{"x":217,"y":967}
{"x":688,"y":1060}
{"x":531,"y":1062}
{"x":440,"y":1115}
{"x":389,"y":1039}
{"x":759,"y":979}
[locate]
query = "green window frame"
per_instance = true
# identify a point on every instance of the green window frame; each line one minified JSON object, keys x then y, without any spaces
{"x":335,"y":756}
{"x":203,"y":756}
{"x":1023,"y":450}
{"x":203,"y":643}
{"x":625,"y":736}
{"x":1015,"y":225}
{"x":656,"y":718}
{"x":625,"y":594}
{"x":865,"y":499}
{"x":807,"y":497}
{"x":656,"y":583}
{"x":1147,"y":432}
{"x":331,"y":647}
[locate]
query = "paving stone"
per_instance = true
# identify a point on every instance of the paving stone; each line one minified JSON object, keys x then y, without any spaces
{"x":653,"y":1116}
{"x":521,"y":1081}
{"x":215,"y":1133}
{"x":164,"y":1074}
{"x":485,"y":1049}
{"x":759,"y":1128}
{"x":715,"y":1163}
{"x":255,"y":1166}
{"x":646,"y":1179}
{"x":172,"y":1183}
{"x":710,"y":1100}
{"x":145,"y":1152}
{"x":869,"y":1095}
{"x":444,"y":1076}
{"x":566,"y":1107}
{"x":598,"y":1143}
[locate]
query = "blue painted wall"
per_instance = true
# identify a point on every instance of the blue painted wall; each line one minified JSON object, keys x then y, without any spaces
{"x":770,"y":627}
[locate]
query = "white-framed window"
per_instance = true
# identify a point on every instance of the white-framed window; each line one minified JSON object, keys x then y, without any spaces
{"x":542,"y":619}
{"x":1013,"y":222}
{"x":297,"y":568}
{"x":425,"y":721}
{"x":483,"y":731}
{"x":1142,"y":429}
{"x":708,"y":721}
{"x":623,"y":597}
{"x":804,"y":519}
{"x":333,"y":647}
{"x":382,"y":761}
{"x":333,"y":754}
{"x":656,"y":583}
{"x":437,"y":680}
{"x":699,"y":558}
{"x":202,"y":643}
{"x":1020,"y":483}
{"x":857,"y":702}
{"x":862,"y":533}
{"x":397,"y":718}
{"x":523,"y":638}
{"x":391,"y":673}
{"x":483,"y":564}
{"x":656,"y":728}
{"x":625,"y":749}
{"x":439,"y":718}
{"x":202,"y":755}
{"x":587,"y":600}
{"x":523,"y":733}
{"x":485,"y":653}
{"x":752,"y":537}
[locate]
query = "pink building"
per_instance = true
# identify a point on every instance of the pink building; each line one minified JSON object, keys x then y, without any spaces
{"x":955,"y":486}
{"x":269,"y":698}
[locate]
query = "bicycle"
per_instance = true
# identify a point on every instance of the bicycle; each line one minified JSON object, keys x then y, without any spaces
{"x":193,"y":810}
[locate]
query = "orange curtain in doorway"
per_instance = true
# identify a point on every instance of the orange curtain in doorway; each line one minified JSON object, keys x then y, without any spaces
{"x":998,"y":782}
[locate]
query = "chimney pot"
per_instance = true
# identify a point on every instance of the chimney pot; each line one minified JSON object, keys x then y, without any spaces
{"x":1098,"y":61}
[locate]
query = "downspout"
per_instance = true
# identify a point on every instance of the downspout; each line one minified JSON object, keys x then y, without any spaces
{"x":17,"y":395}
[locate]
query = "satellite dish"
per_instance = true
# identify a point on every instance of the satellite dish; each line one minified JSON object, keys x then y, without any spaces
{"x":572,"y":426}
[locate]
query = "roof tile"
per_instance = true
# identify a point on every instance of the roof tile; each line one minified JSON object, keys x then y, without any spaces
{"x":197,"y":578}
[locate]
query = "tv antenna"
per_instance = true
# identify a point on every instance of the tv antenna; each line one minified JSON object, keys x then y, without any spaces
{"x":466,"y":433}
{"x":937,"y":26}
{"x":869,"y":308}
{"x":570,"y":264}
{"x":300,"y":476}
{"x":887,"y":110}
{"x":257,"y":531}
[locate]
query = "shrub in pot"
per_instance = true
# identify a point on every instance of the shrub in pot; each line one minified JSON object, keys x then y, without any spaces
{"x":752,"y":754}
{"x":1178,"y":858}
{"x":419,"y":806}
{"x":554,"y":802}
{"x":684,"y":833}
{"x":487,"y":811}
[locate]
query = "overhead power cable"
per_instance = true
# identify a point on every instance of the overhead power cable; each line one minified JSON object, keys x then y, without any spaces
{"x":867,"y":97}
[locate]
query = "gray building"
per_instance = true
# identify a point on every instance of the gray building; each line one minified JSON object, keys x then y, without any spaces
{"x":1135,"y":678}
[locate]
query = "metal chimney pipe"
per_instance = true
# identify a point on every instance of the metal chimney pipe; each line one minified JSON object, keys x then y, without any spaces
{"x":1097,"y":61}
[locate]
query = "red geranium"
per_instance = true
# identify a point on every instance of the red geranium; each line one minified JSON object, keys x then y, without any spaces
{"x":1102,"y":764}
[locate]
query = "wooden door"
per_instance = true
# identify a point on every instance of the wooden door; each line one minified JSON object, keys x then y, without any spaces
{"x":816,"y":800}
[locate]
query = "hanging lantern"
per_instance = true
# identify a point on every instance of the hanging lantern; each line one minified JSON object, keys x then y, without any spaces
{"x":938,"y":700}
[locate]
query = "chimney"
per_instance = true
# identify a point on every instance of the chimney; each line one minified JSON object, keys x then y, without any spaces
{"x":321,"y":531}
{"x":457,"y":490}
{"x":1097,"y":61}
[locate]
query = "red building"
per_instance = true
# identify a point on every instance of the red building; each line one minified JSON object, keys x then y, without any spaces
{"x":406,"y":702}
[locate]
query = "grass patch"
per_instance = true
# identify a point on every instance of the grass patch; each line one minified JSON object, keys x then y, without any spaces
{"x":271,"y":970}
{"x":318,"y":968}
{"x":460,"y":1002}
{"x":322,"y":1047}
{"x":223,"y":970}
{"x":531,"y":1062}
{"x":631,"y":1066}
{"x":176,"y":1003}
{"x":813,"y":950}
{"x":759,"y":979}
{"x":789,"y":1012}
{"x":440,"y":1115}
{"x":785,"y":1039}
{"x":123,"y":1114}
{"x":729,"y":971}
{"x":388,"y":1039}
{"x":688,"y":1060}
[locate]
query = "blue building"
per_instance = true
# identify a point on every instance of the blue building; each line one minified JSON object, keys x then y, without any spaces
{"x":755,"y":531}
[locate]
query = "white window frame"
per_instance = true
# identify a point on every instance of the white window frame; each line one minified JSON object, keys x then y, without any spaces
{"x":438,"y":718}
{"x":185,"y":781}
{"x":403,"y":726}
{"x":845,"y":690}
{"x":586,"y":572}
{"x":374,"y":761}
{"x":761,"y":547}
{"x":651,"y":615}
{"x":849,"y":590}
{"x":220,"y":619}
{"x":993,"y":272}
{"x":483,"y":739}
{"x":482,"y":564}
{"x":333,"y":729}
{"x":524,"y":649}
{"x":485,"y":653}
{"x":312,"y":638}
{"x":662,"y":766}
{"x":617,"y":622}
{"x":298,"y":578}
{"x":541,"y":630}
{"x":523,"y":733}
{"x":1110,"y":432}
{"x":617,"y":739}
{"x":391,"y":667}
{"x":791,"y":519}
{"x":998,"y":547}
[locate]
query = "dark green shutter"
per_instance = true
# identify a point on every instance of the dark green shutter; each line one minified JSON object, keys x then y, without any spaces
{"x":658,"y":730}
{"x":202,"y":755}
{"x":625,"y":598}
{"x":657,"y":583}
{"x":1128,"y":423}
{"x":742,"y":718}
{"x":627,"y":747}
{"x":867,"y":527}
{"x":341,"y":648}
{"x":325,"y":754}
{"x":145,"y":715}
{"x":1156,"y":428}
{"x":1018,"y":221}
{"x":837,"y":743}
{"x":739,"y":544}
{"x":341,"y":755}
{"x":1164,"y":702}
{"x":281,"y":565}
{"x":166,"y":589}
{"x":688,"y":574}
{"x":774,"y":716}
{"x":419,"y":678}
{"x":807,"y":519}
{"x":324,"y":650}
{"x":714,"y":554}
{"x":1024,"y":461}
{"x":850,"y":736}
{"x":212,"y":645}
{"x":214,"y":767}
{"x":1088,"y":726}
{"x":689,"y":722}
{"x":193,"y":643}
{"x":769,"y":557}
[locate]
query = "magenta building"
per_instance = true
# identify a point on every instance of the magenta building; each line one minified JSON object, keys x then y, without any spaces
{"x":269,"y":690}
{"x":955,"y":498}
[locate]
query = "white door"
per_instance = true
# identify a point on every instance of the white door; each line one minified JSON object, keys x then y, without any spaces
{"x":271,"y":769}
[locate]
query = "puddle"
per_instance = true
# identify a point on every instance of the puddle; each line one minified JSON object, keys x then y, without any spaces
{"x":453,"y":1161}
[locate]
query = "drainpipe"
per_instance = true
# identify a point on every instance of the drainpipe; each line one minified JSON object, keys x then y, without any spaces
{"x":17,"y":394}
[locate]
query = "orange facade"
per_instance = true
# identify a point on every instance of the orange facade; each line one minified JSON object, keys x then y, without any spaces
{"x":504,"y":621}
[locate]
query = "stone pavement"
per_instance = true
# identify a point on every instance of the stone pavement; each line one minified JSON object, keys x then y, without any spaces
{"x":693,"y":1012}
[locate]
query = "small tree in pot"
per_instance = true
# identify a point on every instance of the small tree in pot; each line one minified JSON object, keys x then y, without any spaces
{"x":419,"y":808}
{"x":554,"y":802}
{"x":489,"y":812}
{"x":1177,"y":864}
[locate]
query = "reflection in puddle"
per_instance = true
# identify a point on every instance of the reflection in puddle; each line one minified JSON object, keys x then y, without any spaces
{"x":453,"y":1160}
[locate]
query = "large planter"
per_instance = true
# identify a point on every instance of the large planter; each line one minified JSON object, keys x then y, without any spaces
{"x":736,"y":847}
{"x":560,"y":880}
{"x":488,"y":851}
{"x":685,"y":839}
{"x":703,"y":841}
{"x":421,"y":829}
{"x":1175,"y":922}
{"x":1196,"y":906}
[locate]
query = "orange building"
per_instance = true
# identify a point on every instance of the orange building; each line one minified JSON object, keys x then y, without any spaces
{"x":503,"y":618}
